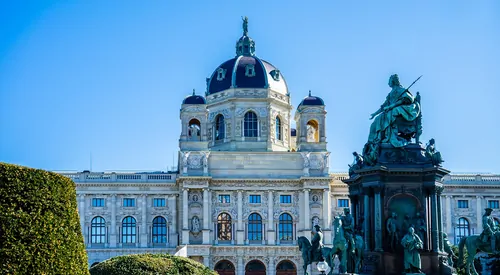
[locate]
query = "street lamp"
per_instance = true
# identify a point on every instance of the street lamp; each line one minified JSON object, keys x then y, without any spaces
{"x":322,"y":265}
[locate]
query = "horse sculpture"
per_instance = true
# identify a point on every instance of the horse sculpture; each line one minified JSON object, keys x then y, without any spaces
{"x":473,"y":244}
{"x":349,"y":261}
{"x":305,"y":247}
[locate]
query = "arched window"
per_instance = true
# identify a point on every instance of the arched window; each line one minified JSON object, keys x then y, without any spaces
{"x":98,"y":230}
{"x":285,"y":227}
{"x":225,"y":267}
{"x":312,"y":128}
{"x":286,"y":268}
{"x":250,"y":125}
{"x":220,"y":128}
{"x":159,"y":234}
{"x":224,"y":227}
{"x":254,"y":227}
{"x":279,"y":132}
{"x":128,"y":230}
{"x":255,"y":267}
{"x":194,"y":130}
{"x":462,"y":229}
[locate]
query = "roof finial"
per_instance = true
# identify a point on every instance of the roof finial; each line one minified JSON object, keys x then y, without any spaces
{"x":309,"y":93}
{"x":193,"y":91}
{"x":245,"y":25}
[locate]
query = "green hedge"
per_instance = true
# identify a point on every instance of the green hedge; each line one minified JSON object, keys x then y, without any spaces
{"x":39,"y":225}
{"x":142,"y":264}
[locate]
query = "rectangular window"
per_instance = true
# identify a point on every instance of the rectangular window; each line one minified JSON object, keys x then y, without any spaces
{"x":493,"y":204}
{"x":128,"y":202}
{"x":224,"y":198}
{"x":158,"y":202}
{"x":463,"y":204}
{"x":285,"y":198}
{"x":343,"y":203}
{"x":97,"y":202}
{"x":254,"y":198}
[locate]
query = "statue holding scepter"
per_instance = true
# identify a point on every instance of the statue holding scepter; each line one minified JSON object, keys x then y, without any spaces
{"x":398,"y":103}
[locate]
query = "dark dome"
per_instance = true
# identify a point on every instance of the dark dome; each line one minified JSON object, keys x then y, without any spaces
{"x":312,"y":101}
{"x":246,"y":72}
{"x":194,"y":99}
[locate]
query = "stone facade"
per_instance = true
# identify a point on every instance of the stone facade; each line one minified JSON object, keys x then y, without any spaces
{"x":202,"y":195}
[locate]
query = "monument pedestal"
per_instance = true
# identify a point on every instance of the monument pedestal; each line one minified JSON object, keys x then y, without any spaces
{"x":490,"y":264}
{"x":404,"y":182}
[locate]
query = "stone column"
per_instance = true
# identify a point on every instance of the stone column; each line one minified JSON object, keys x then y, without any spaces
{"x":479,"y":214}
{"x":378,"y":221}
{"x":270,"y":219}
{"x":271,"y":269}
{"x":240,"y":230}
{"x":449,"y":230}
{"x":440,"y":218}
{"x":112,"y":233}
{"x":173,"y":223}
{"x":434,"y":221}
{"x":206,"y":218}
{"x":82,"y":218}
{"x":240,"y":268}
{"x":185,"y":222}
{"x":206,"y":261}
{"x":327,"y":217}
{"x":307,"y":219}
{"x":144,"y":221}
{"x":366,"y":225}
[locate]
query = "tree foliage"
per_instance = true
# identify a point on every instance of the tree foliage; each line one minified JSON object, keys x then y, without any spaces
{"x":39,"y":225}
{"x":145,"y":264}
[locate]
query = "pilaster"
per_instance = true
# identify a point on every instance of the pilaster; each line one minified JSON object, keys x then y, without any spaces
{"x":240,"y":232}
{"x":270,"y":219}
{"x":144,"y":231}
{"x":112,"y":235}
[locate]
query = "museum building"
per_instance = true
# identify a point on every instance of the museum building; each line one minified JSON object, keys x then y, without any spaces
{"x":247,"y":184}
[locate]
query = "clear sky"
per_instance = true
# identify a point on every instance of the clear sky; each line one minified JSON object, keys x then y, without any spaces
{"x":107,"y":77}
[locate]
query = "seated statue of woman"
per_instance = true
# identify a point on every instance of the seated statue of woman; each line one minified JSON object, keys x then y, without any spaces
{"x":399,"y":103}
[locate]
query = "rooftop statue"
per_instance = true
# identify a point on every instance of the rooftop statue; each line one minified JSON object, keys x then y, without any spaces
{"x":245,"y":26}
{"x":399,"y":103}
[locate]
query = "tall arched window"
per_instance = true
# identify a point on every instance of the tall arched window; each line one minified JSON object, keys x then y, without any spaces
{"x":98,"y":230}
{"x":312,"y":129}
{"x":159,"y":234}
{"x":285,"y":227}
{"x":224,"y":227}
{"x":462,"y":229}
{"x":254,"y":227}
{"x":194,"y":130}
{"x":128,"y":230}
{"x":279,"y":135}
{"x":250,"y":125}
{"x":220,"y":128}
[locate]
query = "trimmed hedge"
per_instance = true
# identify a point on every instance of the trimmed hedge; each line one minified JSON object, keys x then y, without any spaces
{"x":39,"y":225}
{"x":142,"y":264}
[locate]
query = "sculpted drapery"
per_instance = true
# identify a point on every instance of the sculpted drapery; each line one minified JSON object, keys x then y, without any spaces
{"x":399,"y":102}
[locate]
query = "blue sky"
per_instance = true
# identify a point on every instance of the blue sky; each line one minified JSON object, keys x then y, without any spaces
{"x":108,"y":77}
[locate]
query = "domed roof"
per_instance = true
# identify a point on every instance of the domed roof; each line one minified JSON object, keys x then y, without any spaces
{"x":246,"y":70}
{"x":312,"y":101}
{"x":194,"y":99}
